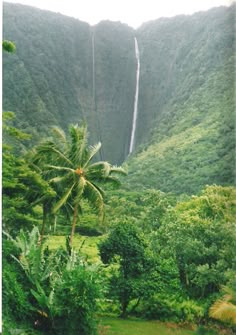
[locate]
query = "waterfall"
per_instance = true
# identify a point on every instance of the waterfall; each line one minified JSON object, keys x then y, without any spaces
{"x":134,"y":122}
{"x":94,"y":105}
{"x":93,"y":69}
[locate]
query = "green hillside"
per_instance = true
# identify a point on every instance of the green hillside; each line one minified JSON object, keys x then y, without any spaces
{"x":53,"y":76}
{"x":187,"y":87}
{"x":196,"y":147}
{"x":65,"y":71}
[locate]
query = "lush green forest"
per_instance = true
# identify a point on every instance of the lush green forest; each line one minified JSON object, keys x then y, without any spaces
{"x":91,"y":247}
{"x":65,"y":71}
{"x":188,"y":79}
{"x":153,"y":255}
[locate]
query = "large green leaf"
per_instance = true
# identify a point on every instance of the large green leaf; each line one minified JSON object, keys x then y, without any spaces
{"x":93,"y":150}
{"x":80,"y":189}
{"x":60,"y":168}
{"x":49,"y":148}
{"x":78,"y":145}
{"x":63,"y":199}
{"x":95,"y":198}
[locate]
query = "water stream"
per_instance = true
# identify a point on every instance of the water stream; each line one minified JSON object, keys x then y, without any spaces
{"x":134,"y":122}
{"x":93,"y":69}
{"x":94,"y":107}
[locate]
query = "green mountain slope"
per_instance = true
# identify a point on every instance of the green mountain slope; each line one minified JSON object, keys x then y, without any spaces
{"x":191,"y":99}
{"x":59,"y":76}
{"x":65,"y":71}
{"x":177,"y":56}
{"x":200,"y":146}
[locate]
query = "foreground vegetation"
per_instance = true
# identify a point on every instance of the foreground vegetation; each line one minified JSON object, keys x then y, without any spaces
{"x":153,"y":256}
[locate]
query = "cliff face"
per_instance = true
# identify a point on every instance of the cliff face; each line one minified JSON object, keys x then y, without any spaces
{"x":178,"y":55}
{"x":114,"y":87}
{"x":65,"y":71}
{"x":186,"y":121}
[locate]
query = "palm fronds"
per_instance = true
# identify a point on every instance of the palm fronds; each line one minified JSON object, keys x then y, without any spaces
{"x":94,"y":196}
{"x":66,"y":164}
{"x":93,"y":150}
{"x":224,"y":309}
{"x":63,"y":199}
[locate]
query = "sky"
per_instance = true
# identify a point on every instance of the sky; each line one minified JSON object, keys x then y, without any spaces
{"x":132,"y":12}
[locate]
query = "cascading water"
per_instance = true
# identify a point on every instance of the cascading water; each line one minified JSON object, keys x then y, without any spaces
{"x":93,"y":69}
{"x":131,"y":147}
{"x":96,"y":117}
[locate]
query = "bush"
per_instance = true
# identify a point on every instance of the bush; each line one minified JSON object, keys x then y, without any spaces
{"x":172,"y":308}
{"x":76,"y":296}
{"x":54,"y":292}
{"x":15,"y":297}
{"x":88,"y":231}
{"x":204,"y":331}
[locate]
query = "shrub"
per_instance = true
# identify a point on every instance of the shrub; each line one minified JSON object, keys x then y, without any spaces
{"x":54,"y":291}
{"x":15,"y":298}
{"x":76,"y":296}
{"x":201,"y":330}
{"x":88,"y":231}
{"x":172,"y":308}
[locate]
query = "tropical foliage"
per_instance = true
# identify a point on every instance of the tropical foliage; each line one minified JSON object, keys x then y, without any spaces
{"x":68,"y":165}
{"x":224,"y":309}
{"x":157,"y":251}
{"x":185,"y":126}
{"x":168,"y":257}
{"x":8,"y":46}
{"x":53,"y":282}
{"x":135,"y":277}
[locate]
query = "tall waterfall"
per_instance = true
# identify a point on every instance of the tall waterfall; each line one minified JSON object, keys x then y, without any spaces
{"x":131,"y":147}
{"x":96,"y":119}
{"x":93,"y":69}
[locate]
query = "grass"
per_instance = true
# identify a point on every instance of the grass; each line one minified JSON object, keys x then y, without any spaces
{"x":86,"y":245}
{"x":114,"y":326}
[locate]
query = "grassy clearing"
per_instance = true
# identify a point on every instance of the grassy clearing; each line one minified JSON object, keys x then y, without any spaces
{"x":86,"y":245}
{"x":114,"y":326}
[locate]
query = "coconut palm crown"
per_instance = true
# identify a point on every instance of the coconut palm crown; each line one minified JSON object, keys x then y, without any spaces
{"x":68,"y":164}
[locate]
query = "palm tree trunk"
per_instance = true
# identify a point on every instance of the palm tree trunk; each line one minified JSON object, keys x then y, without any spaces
{"x":43,"y":225}
{"x":75,"y":216}
{"x":55,"y":224}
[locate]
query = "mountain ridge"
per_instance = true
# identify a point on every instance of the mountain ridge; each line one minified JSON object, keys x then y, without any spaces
{"x":66,"y":70}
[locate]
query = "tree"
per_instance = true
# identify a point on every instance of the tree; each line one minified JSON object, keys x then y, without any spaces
{"x":135,"y":277}
{"x":200,"y":234}
{"x":8,"y":46}
{"x":22,"y":188}
{"x":68,"y":164}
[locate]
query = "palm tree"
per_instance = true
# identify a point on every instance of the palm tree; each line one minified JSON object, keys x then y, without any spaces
{"x":224,"y":309}
{"x":68,"y":165}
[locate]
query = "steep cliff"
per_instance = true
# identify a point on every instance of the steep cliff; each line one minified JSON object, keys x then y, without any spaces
{"x":65,"y":71}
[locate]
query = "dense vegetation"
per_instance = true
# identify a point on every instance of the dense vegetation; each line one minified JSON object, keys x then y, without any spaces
{"x":65,"y":71}
{"x":165,"y":258}
{"x":187,"y":87}
{"x":150,"y":250}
